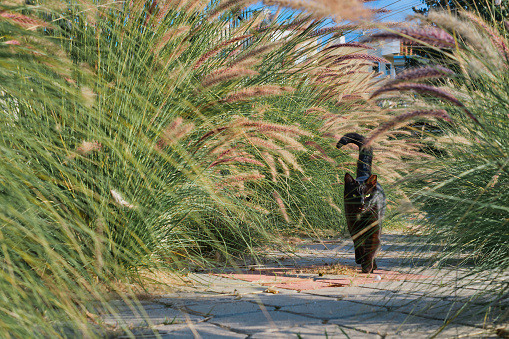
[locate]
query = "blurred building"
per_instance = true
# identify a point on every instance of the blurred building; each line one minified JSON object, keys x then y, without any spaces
{"x":397,"y":53}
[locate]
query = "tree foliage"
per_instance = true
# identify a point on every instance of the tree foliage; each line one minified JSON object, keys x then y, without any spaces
{"x":485,"y":8}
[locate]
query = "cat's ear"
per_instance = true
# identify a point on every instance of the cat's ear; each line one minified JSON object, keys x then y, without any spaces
{"x":349,"y":179}
{"x":371,"y":180}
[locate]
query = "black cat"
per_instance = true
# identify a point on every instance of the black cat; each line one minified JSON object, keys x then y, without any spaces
{"x":364,"y":205}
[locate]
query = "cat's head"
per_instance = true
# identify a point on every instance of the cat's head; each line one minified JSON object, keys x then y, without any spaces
{"x":359,"y":192}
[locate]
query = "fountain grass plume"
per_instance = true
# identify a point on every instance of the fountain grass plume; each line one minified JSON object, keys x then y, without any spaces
{"x":218,"y":48}
{"x":226,"y":74}
{"x":290,"y":159}
{"x":256,"y":141}
{"x":266,"y":126}
{"x":257,"y":92}
{"x":169,"y":36}
{"x":87,"y":147}
{"x":381,"y":10}
{"x":433,"y":36}
{"x":334,"y":29}
{"x":255,"y":52}
{"x":467,"y":32}
{"x":322,"y":151}
{"x":176,"y":130}
{"x":27,"y":22}
{"x":285,"y":168}
{"x":496,"y":38}
{"x":224,"y":6}
{"x":402,"y":119}
{"x":422,"y":73}
{"x":299,"y":24}
{"x":239,"y":160}
{"x":288,"y":141}
{"x":348,"y":44}
{"x":425,"y":89}
{"x":359,"y":56}
{"x":269,"y":160}
{"x":281,"y":205}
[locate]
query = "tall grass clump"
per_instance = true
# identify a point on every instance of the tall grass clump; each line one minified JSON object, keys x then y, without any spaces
{"x":146,"y":135}
{"x":463,"y":191}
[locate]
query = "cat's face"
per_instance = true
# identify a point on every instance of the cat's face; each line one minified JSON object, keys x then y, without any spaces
{"x":359,"y":193}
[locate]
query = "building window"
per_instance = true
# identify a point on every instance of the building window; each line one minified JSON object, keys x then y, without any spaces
{"x":399,"y":69}
{"x":388,"y":68}
{"x":376,"y":67}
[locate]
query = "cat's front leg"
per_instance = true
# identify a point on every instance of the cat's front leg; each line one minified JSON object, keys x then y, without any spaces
{"x":359,"y":252}
{"x":370,"y":249}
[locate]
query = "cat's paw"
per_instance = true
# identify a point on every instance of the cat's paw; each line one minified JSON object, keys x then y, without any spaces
{"x":368,"y":268}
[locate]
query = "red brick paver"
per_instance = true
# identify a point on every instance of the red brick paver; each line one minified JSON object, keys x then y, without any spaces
{"x":287,"y":278}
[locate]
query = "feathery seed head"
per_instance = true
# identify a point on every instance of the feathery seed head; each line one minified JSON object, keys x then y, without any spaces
{"x":281,"y":205}
{"x":227,"y":152}
{"x":218,"y":48}
{"x":175,"y":131}
{"x":290,"y":142}
{"x":334,"y":29}
{"x":253,"y":176}
{"x":87,"y":147}
{"x":11,"y":42}
{"x":226,"y":74}
{"x":23,"y":20}
{"x":315,"y":109}
{"x":256,"y":52}
{"x":285,"y":168}
{"x":237,"y":159}
{"x":348,"y":44}
{"x":495,"y":37}
{"x":466,"y":32}
{"x":401,"y":119}
{"x":257,"y":91}
{"x":359,"y":56}
{"x":433,"y":36}
{"x":421,"y":73}
{"x":290,"y":159}
{"x":117,"y":197}
{"x":426,"y":89}
{"x":380,"y":10}
{"x":224,"y":6}
{"x":269,"y":159}
{"x":263,"y":143}
{"x":210,"y":133}
{"x":168,"y":36}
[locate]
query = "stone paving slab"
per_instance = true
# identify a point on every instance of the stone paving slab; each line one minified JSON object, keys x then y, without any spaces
{"x":261,"y":321}
{"x":283,"y":298}
{"x":461,"y":312}
{"x":234,"y":307}
{"x":315,"y":332}
{"x":332,"y":309}
{"x":407,"y":302}
{"x":399,"y":325}
{"x":148,"y":314}
{"x":201,"y":330}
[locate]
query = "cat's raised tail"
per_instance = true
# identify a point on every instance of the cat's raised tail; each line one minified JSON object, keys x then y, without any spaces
{"x":365,"y":153}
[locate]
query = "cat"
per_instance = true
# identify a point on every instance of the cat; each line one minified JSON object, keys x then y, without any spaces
{"x":364,"y":205}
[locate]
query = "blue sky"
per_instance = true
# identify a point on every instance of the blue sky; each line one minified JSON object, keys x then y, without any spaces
{"x":400,"y":8}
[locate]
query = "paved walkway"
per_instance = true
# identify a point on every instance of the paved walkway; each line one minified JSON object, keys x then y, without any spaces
{"x":307,"y":295}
